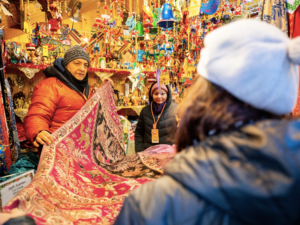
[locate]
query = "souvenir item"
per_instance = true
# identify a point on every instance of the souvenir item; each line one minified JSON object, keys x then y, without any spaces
{"x":130,"y":23}
{"x":23,"y":56}
{"x":147,"y":15}
{"x":139,"y":28}
{"x":167,"y":18}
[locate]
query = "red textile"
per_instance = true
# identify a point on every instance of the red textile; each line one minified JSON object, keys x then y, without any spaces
{"x":52,"y":105}
{"x":294,"y":31}
{"x":85,"y":175}
{"x":20,"y":129}
{"x":4,"y":131}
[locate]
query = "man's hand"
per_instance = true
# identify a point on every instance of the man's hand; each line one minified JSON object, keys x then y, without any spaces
{"x":109,"y":80}
{"x":42,"y":137}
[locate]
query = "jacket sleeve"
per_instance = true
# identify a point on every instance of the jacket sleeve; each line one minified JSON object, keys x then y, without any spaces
{"x":43,"y":105}
{"x":160,"y":202}
{"x":139,"y":133}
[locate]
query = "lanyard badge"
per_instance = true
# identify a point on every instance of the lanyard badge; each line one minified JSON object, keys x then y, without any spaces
{"x":154,"y":131}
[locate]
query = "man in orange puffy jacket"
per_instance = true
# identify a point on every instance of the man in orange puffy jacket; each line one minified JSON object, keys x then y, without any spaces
{"x":57,"y":98}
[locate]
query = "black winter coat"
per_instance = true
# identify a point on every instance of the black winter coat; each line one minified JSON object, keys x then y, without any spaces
{"x":246,"y":177}
{"x":166,"y":124}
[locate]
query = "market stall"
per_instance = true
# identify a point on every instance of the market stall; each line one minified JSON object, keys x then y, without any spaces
{"x":135,"y":43}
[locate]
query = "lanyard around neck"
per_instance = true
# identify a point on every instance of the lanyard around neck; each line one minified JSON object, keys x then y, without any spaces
{"x":154,"y":125}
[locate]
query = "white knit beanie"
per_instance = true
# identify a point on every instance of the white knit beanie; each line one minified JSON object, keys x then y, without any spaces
{"x":254,"y":61}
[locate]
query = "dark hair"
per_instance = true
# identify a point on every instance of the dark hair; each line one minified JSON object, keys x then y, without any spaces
{"x":209,"y":110}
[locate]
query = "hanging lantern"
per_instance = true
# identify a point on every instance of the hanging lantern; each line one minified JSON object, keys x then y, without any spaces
{"x":147,"y":35}
{"x":167,"y":19}
{"x":139,"y":28}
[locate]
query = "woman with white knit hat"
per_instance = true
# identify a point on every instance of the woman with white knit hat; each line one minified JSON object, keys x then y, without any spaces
{"x":239,"y":160}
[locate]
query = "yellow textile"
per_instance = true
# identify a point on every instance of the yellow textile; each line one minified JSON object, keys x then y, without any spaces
{"x":274,"y":12}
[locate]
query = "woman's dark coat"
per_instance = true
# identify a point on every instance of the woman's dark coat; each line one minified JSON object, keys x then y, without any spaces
{"x":246,"y":177}
{"x":166,"y":124}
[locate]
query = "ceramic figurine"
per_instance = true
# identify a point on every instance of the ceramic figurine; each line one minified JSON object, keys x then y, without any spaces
{"x":94,"y":61}
{"x":23,"y":56}
{"x":121,"y":99}
{"x":60,"y":53}
{"x":102,"y":62}
{"x":151,"y":52}
{"x":136,"y":100}
{"x":12,"y":56}
{"x":113,"y":64}
{"x":130,"y":23}
{"x":126,"y":101}
{"x":169,"y":48}
{"x":140,"y":53}
{"x":45,"y":61}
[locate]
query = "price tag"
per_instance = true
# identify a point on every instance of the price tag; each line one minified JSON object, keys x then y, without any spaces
{"x":11,"y":187}
{"x":45,"y":50}
{"x":155,"y":136}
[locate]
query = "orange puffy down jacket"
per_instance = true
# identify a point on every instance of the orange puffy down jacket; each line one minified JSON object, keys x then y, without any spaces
{"x":52,"y":105}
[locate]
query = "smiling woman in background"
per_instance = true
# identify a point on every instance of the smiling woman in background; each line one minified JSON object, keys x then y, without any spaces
{"x":239,"y":153}
{"x":157,"y":121}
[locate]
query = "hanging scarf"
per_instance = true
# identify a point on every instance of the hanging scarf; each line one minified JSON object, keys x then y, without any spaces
{"x":79,"y":84}
{"x":13,"y":121}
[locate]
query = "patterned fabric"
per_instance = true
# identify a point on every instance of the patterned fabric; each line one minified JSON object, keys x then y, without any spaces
{"x":84,"y":176}
{"x":13,"y":120}
{"x":4,"y":134}
{"x":9,"y":129}
{"x":210,"y":7}
{"x":27,"y":162}
{"x":292,"y":5}
{"x":294,"y":31}
{"x":274,"y":12}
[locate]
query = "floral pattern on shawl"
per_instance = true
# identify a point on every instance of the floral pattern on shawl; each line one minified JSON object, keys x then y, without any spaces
{"x":84,"y":176}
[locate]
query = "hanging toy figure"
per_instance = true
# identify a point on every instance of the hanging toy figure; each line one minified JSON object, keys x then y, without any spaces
{"x":140,"y":53}
{"x":169,"y":47}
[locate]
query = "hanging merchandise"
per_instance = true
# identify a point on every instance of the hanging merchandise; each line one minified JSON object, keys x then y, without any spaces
{"x":147,"y":15}
{"x":274,"y":12}
{"x":210,"y":7}
{"x":131,"y":22}
{"x":13,"y":121}
{"x":139,"y":27}
{"x":166,"y":19}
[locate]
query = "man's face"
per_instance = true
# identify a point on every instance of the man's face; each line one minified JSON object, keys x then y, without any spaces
{"x":78,"y":68}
